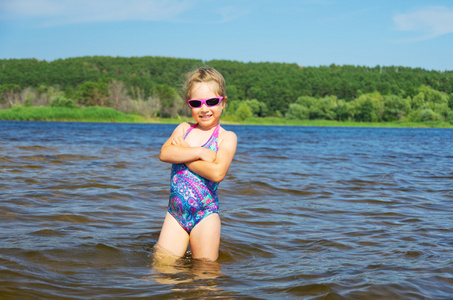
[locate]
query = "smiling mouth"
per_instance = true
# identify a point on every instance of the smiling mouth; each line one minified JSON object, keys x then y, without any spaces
{"x":204,"y":117}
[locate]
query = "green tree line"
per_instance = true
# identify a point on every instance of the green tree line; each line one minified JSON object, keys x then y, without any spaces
{"x":151,"y":86}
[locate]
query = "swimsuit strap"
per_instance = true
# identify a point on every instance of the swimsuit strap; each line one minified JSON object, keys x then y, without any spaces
{"x":214,"y":134}
{"x":189,"y":130}
{"x":216,"y":131}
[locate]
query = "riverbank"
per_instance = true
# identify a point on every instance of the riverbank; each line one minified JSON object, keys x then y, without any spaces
{"x":279,"y":121}
{"x":104,"y":114}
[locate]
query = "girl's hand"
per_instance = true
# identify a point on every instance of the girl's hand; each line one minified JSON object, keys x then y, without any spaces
{"x":179,"y":141}
{"x":217,"y":169}
{"x":205,"y":154}
{"x":177,"y":151}
{"x":208,"y":155}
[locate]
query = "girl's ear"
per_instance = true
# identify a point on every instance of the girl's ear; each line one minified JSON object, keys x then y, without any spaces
{"x":224,"y":101}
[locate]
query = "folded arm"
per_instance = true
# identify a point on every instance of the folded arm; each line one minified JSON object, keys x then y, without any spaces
{"x":176,"y":151}
{"x":217,"y":169}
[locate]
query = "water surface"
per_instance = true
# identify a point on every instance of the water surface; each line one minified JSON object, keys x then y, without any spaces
{"x":307,"y":212}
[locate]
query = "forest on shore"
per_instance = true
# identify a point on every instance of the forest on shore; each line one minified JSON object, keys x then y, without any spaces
{"x":151,"y":87}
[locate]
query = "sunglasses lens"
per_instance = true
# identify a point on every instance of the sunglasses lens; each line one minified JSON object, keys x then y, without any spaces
{"x":195,"y":103}
{"x":212,"y":101}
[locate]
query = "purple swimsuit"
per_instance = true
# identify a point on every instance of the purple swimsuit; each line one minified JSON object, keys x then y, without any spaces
{"x":193,"y":197}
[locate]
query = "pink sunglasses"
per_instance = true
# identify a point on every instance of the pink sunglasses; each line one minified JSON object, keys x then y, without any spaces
{"x":196,"y":103}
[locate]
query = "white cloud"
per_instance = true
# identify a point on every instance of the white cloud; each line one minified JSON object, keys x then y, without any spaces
{"x":230,"y":13}
{"x":427,"y":23}
{"x":58,"y":12}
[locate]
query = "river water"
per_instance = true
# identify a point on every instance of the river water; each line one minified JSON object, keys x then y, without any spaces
{"x":307,"y":212}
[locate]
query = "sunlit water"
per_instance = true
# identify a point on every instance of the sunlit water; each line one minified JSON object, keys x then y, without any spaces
{"x":312,"y":213}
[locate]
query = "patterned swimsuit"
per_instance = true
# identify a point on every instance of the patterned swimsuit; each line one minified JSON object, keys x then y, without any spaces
{"x":193,"y":197}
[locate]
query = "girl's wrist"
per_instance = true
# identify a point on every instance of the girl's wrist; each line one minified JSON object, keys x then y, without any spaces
{"x":208,"y":155}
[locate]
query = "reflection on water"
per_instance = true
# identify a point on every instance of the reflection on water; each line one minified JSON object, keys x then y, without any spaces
{"x":170,"y":269}
{"x":306,"y":212}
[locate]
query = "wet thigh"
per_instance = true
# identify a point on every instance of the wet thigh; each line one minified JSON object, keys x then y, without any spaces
{"x":173,"y":237}
{"x":205,"y":238}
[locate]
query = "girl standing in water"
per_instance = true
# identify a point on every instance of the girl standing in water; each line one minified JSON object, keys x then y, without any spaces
{"x":201,"y":154}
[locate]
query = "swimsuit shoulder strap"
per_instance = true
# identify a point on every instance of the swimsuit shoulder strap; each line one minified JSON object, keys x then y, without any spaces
{"x":212,"y":142}
{"x":190,"y":129}
{"x":216,"y":131}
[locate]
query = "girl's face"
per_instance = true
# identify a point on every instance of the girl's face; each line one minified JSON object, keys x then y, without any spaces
{"x":206,"y":116}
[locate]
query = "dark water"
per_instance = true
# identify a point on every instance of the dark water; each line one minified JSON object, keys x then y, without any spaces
{"x":312,"y":213}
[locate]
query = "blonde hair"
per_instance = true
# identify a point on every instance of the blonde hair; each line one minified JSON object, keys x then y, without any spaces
{"x":205,"y":74}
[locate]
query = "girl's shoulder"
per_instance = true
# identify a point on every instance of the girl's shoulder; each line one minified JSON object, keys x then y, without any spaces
{"x":225,"y":135}
{"x":187,"y":124}
{"x":184,"y":125}
{"x":182,"y":128}
{"x":224,"y":131}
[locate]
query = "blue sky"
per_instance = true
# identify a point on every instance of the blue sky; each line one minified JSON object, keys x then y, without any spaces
{"x":411,"y":33}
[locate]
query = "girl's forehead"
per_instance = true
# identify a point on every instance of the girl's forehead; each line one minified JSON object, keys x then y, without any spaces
{"x":210,"y":87}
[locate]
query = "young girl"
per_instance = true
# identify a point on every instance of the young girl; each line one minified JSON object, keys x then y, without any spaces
{"x":201,"y":154}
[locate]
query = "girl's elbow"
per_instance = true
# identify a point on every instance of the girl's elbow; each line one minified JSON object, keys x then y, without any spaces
{"x":218,"y":180}
{"x":218,"y":177}
{"x":163,"y":157}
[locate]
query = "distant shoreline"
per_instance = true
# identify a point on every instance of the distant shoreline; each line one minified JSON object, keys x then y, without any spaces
{"x":109,"y":115}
